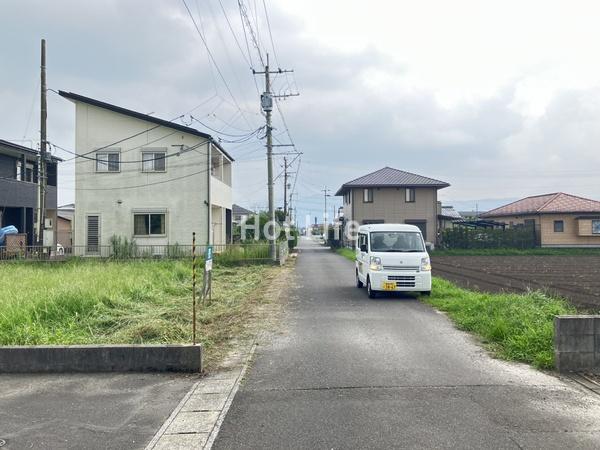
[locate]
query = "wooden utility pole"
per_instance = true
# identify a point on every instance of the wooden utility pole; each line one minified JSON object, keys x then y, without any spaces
{"x":41,"y":207}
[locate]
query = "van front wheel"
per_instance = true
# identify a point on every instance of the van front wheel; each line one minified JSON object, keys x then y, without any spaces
{"x":371,"y":292}
{"x":359,"y":283}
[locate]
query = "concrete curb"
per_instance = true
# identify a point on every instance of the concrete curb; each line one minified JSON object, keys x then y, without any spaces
{"x":196,"y":421}
{"x":100,"y":358}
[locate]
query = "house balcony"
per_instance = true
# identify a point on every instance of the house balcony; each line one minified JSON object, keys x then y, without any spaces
{"x":23,"y":194}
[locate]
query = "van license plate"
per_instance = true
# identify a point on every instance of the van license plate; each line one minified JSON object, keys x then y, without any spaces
{"x":389,"y":285}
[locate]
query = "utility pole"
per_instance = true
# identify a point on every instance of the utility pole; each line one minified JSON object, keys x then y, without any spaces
{"x":266,"y":100}
{"x":41,"y":207}
{"x":285,"y":178}
{"x":325,"y":195}
{"x":286,"y":186}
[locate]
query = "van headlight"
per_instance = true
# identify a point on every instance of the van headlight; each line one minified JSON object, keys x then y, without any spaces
{"x":375,"y":263}
{"x":425,"y":264}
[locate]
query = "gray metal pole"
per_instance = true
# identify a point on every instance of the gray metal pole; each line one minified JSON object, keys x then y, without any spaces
{"x":41,"y":213}
{"x":209,"y":194}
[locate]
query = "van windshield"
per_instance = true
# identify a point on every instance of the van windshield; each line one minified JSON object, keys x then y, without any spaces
{"x":396,"y":241}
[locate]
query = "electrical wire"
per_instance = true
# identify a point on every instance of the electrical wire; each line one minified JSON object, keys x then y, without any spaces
{"x":235,"y":36}
{"x":214,"y":61}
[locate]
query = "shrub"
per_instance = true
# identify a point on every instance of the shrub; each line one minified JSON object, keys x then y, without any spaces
{"x":122,"y":248}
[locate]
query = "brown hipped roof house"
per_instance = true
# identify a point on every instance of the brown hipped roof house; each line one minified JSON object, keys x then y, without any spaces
{"x":561,"y":220}
{"x":390,"y":195}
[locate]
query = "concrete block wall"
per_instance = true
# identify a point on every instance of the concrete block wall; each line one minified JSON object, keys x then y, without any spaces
{"x":577,"y":343}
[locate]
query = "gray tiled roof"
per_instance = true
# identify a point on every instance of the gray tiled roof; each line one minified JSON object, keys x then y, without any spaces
{"x":450,"y":212}
{"x":390,"y":177}
{"x":238,"y":210}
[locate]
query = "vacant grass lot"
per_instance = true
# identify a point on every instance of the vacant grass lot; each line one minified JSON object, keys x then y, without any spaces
{"x":85,"y":302}
{"x":517,"y":327}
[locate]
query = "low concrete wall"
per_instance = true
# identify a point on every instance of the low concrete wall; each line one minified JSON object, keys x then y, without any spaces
{"x":101,"y":358}
{"x":577,"y":343}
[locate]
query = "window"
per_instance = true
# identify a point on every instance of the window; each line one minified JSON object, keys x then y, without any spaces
{"x":108,"y":162}
{"x":153,"y":161}
{"x":396,"y":241}
{"x":347,"y":198}
{"x":422,"y":224}
{"x":367,"y":195}
{"x":149,"y":224}
{"x":362,"y":240}
{"x":559,"y":226}
{"x":93,"y":234}
{"x":29,"y":173}
{"x":595,"y":226}
{"x":409,"y":195}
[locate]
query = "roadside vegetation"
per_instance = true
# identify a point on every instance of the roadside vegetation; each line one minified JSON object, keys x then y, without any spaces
{"x":517,"y":252}
{"x":125,"y":302}
{"x":518,"y":327}
{"x":347,"y":253}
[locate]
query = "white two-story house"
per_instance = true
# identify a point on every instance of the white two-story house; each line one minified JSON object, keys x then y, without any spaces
{"x":146,"y":179}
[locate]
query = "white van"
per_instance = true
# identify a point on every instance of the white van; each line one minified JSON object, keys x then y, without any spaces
{"x":392,"y":257}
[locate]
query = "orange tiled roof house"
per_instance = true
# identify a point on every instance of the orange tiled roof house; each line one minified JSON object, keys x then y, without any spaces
{"x":562,"y":220}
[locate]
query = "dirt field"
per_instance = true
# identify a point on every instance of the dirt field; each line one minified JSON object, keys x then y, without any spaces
{"x":576,"y":278}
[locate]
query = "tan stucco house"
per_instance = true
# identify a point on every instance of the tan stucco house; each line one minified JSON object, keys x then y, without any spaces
{"x":560,"y":220}
{"x":390,"y":195}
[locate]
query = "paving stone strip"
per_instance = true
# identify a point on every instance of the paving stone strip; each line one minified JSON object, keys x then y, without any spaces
{"x":195,"y":422}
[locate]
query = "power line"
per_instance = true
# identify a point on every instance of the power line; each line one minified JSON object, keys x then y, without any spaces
{"x":246,"y":19}
{"x":234,"y":35}
{"x":214,"y":61}
{"x":129,"y":162}
{"x":228,"y":134}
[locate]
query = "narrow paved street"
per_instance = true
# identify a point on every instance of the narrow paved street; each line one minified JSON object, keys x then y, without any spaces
{"x":349,"y":372}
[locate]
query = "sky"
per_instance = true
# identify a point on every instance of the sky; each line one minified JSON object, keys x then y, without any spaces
{"x":499,"y":99}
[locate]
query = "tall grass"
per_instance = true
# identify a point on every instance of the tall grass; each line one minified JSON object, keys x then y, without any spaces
{"x":84,"y":302}
{"x":516,"y":327}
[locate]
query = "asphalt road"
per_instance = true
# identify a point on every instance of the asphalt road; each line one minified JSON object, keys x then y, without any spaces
{"x":86,"y":411}
{"x":350,"y":372}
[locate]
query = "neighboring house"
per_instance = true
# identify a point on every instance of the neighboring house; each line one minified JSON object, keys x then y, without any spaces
{"x":240,"y":214}
{"x":148,"y":179}
{"x":560,"y":220}
{"x":393,"y":196}
{"x":64,"y":225}
{"x":447,"y":216}
{"x":19,"y":191}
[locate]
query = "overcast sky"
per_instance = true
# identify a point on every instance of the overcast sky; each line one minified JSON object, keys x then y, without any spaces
{"x":500,"y":99}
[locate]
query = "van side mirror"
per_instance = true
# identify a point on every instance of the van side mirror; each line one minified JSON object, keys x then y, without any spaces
{"x":363,"y":248}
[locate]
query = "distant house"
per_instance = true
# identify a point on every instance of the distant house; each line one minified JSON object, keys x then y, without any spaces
{"x":240,"y":214}
{"x":447,"y":216}
{"x":64,"y":225}
{"x":147,"y":179}
{"x":390,"y":195}
{"x":561,"y":220}
{"x":19,"y":191}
